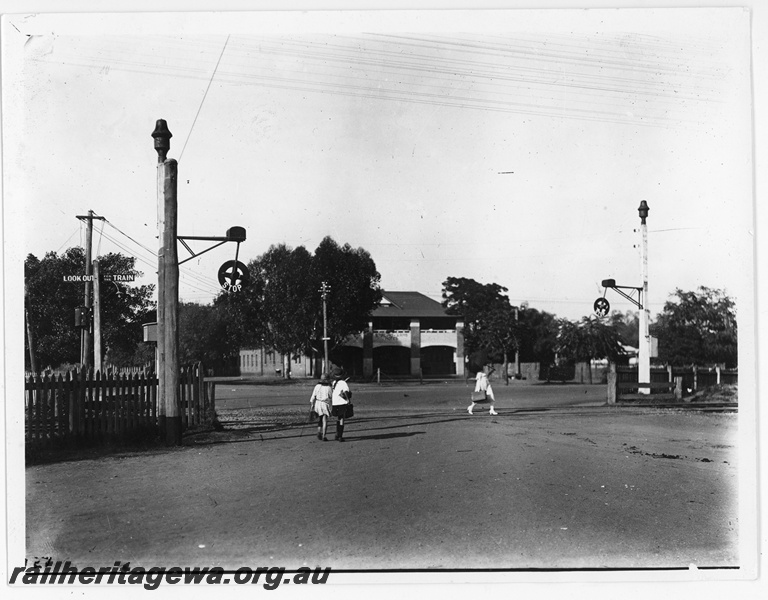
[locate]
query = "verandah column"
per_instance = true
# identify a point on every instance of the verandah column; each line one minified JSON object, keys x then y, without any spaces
{"x":368,"y":351}
{"x":460,"y":347}
{"x":415,"y":347}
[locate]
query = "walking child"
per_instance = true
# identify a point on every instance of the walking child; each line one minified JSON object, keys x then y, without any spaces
{"x":321,"y":404}
{"x":341,"y":401}
{"x":483,"y":385}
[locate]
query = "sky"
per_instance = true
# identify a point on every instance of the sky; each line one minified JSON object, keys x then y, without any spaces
{"x":508,"y":147}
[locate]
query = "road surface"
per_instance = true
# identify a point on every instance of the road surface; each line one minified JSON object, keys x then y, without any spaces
{"x":556,"y":480}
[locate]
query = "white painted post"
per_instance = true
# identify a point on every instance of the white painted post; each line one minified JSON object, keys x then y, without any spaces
{"x":644,"y":341}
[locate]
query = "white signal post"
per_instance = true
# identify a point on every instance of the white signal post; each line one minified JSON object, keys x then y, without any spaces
{"x":644,"y":340}
{"x":324,"y":289}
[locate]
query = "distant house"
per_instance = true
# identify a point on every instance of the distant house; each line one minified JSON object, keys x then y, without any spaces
{"x":409,"y":334}
{"x":270,"y":363}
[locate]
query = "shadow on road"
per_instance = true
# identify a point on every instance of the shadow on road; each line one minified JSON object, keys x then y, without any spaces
{"x":382,"y":436}
{"x":297,"y":430}
{"x":252,"y":430}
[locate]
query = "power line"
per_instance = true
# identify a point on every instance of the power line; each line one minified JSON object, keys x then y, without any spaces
{"x":152,"y":252}
{"x":187,"y":275}
{"x":101,"y":232}
{"x":489,"y":74}
{"x":204,"y":96}
{"x":74,"y":233}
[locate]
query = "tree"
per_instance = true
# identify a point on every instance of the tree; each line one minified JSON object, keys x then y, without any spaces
{"x":499,"y":332}
{"x":51,"y":302}
{"x":627,"y":325}
{"x":698,"y":328}
{"x":287,"y":289}
{"x":538,"y":336}
{"x":588,"y":339}
{"x":354,"y":292}
{"x":203,"y":337}
{"x":490,"y":325}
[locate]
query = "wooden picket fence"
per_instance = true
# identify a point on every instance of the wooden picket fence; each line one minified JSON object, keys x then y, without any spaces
{"x":96,"y":407}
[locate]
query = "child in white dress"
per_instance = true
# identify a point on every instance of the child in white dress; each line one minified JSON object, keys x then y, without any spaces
{"x":483,"y":385}
{"x":321,"y":404}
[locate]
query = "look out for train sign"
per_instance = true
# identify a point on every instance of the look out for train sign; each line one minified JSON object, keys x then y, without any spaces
{"x":105,"y":277}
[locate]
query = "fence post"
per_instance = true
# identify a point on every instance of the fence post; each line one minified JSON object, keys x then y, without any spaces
{"x":133,"y":408}
{"x":191,"y":394}
{"x":72,"y":402}
{"x":717,"y":370}
{"x":203,"y":403}
{"x":678,"y":388}
{"x":695,"y":378}
{"x":42,"y":409}
{"x":60,"y":387}
{"x":28,"y":393}
{"x":189,"y":373}
{"x":102,"y":418}
{"x":90,"y":415}
{"x":140,"y":417}
{"x":198,"y":376}
{"x":211,"y":397}
{"x":612,"y":381}
{"x":79,"y":402}
{"x":34,"y":403}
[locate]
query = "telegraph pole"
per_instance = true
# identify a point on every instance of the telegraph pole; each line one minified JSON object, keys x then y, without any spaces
{"x":85,"y":336}
{"x":167,"y":289}
{"x":324,"y":289}
{"x":98,"y":363}
{"x":644,"y":341}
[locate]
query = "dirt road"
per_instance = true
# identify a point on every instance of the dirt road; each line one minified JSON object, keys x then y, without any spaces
{"x":419,"y":484}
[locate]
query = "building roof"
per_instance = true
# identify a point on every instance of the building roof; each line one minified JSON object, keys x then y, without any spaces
{"x":408,"y":304}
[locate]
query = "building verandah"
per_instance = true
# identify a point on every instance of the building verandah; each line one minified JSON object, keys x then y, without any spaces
{"x":410,"y":334}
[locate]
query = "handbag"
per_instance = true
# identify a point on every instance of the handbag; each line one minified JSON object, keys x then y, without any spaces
{"x":312,"y":413}
{"x":480,"y":396}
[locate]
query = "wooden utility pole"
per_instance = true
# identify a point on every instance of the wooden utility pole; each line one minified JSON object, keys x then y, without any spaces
{"x":98,"y":362}
{"x":85,"y":339}
{"x":167,"y":289}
